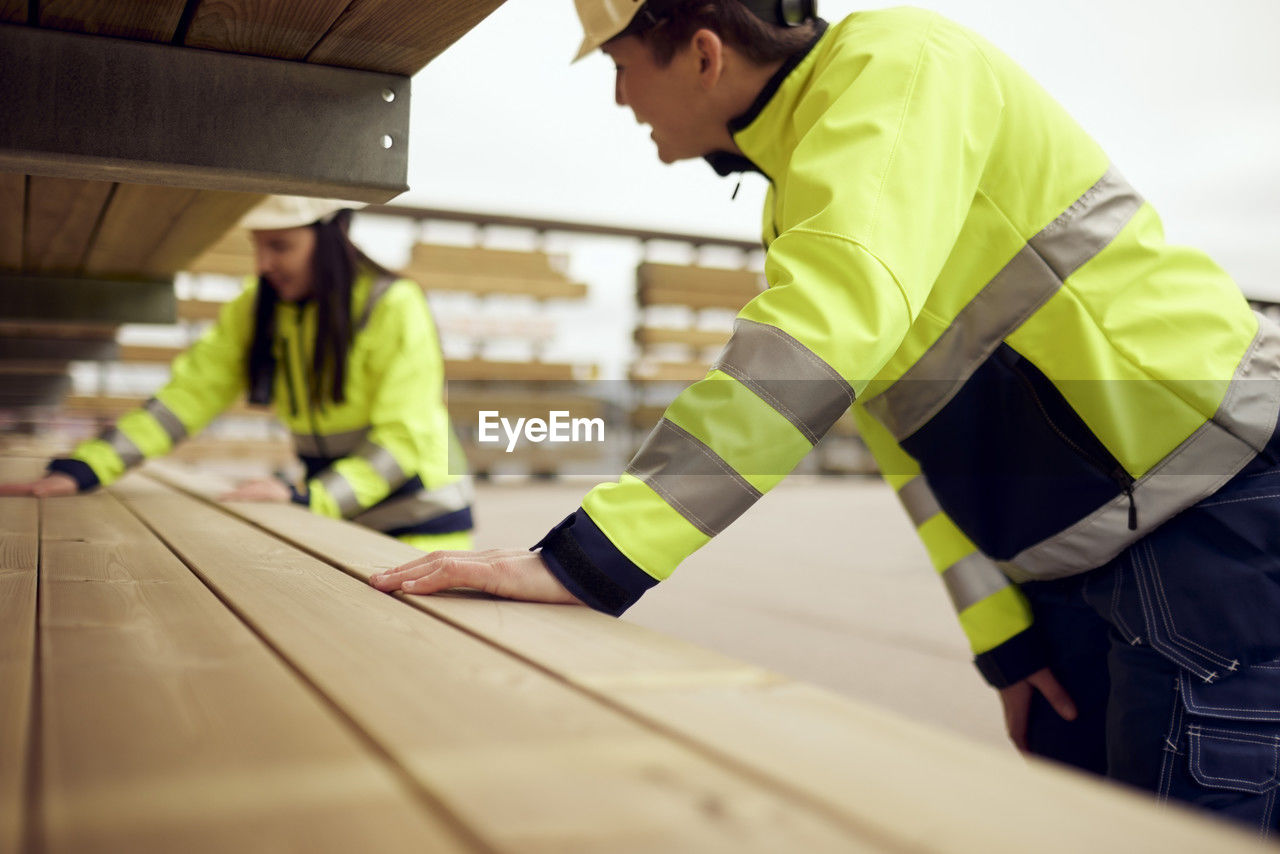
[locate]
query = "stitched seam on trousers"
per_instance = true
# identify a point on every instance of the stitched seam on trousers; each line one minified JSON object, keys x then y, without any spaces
{"x":1174,"y":736}
{"x":1195,"y":750}
{"x":1265,"y":830}
{"x":1150,"y":617}
{"x":1175,"y":636}
{"x":1238,"y":500}
{"x":1116,"y":617}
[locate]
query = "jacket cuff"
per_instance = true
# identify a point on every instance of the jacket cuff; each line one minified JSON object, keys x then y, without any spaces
{"x":590,"y":567}
{"x":78,"y":469}
{"x":296,"y":495}
{"x":1014,"y":660}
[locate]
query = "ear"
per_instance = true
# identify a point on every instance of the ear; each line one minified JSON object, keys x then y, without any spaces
{"x":708,"y":50}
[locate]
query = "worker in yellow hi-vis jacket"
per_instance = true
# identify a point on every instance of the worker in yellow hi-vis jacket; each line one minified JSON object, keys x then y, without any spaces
{"x":345,"y":352}
{"x":1078,"y":416}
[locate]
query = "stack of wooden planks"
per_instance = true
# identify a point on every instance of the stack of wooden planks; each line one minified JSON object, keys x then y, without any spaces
{"x":179,"y":675}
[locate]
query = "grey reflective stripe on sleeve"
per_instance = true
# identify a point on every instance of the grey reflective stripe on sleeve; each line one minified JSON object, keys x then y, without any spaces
{"x":331,"y":445}
{"x":377,"y":291}
{"x":422,"y":506}
{"x":341,"y":491}
{"x":786,"y":375}
{"x":691,"y":478}
{"x":381,"y":461}
{"x":172,"y":425}
{"x":1196,"y":469}
{"x":129,"y":452}
{"x":1084,"y":229}
{"x":917,"y":497}
{"x":1025,"y":284}
{"x":972,"y":579}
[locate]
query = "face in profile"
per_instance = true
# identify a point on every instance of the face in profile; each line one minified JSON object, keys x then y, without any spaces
{"x":284,"y":259}
{"x":666,"y":98}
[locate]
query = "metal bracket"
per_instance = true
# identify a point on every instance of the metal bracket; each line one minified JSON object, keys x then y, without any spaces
{"x":83,"y":106}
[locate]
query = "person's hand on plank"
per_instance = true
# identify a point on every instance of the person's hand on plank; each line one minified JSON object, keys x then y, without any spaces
{"x":52,"y":485}
{"x":509,"y":573}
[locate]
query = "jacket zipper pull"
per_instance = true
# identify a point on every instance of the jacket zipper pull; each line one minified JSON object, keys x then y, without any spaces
{"x":1126,"y":483}
{"x":736,"y":188}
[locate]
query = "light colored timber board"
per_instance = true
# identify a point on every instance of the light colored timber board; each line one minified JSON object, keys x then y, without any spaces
{"x":146,"y":20}
{"x":13,"y":194}
{"x":199,"y":309}
{"x":861,"y":763}
{"x":62,"y":214}
{"x":527,"y":762}
{"x":482,"y":260}
{"x":263,"y":27}
{"x":148,"y":353}
{"x":398,"y":36}
{"x":19,"y":533}
{"x":488,"y":285}
{"x":665,"y":295}
{"x":135,"y":221}
{"x":652,"y":336}
{"x":686,"y":372}
{"x":683,"y":277}
{"x":167,"y":725}
{"x":483,"y":369}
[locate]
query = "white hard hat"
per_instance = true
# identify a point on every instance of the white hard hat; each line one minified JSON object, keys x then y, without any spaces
{"x":602,"y":20}
{"x":292,"y":212}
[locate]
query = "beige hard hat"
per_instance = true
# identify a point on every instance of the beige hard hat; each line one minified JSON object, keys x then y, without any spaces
{"x":292,"y":212}
{"x":602,"y":20}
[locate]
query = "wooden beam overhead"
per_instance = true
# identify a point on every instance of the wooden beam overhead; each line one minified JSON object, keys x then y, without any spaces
{"x":149,"y":20}
{"x":82,"y":107}
{"x":62,"y":218}
{"x":75,"y":300}
{"x":263,"y":27}
{"x":400,"y":36}
{"x":63,"y":349}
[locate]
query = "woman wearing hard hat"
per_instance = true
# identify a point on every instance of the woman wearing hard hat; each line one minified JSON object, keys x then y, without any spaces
{"x":1080,"y":418}
{"x":347,"y":355}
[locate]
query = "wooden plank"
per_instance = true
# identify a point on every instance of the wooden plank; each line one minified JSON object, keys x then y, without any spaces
{"x":689,"y":278}
{"x":686,"y":372}
{"x":271,"y":452}
{"x":732,"y":300}
{"x":484,"y":261}
{"x":199,"y":309}
{"x":13,"y":11}
{"x":144,"y":353}
{"x":146,"y":20}
{"x":231,"y":255}
{"x":58,"y":329}
{"x":398,"y":36}
{"x":263,"y":27}
{"x":856,"y":761}
{"x":13,"y":195}
{"x":493,"y":285}
{"x":528,"y":763}
{"x":19,"y":535}
{"x":483,"y":369}
{"x":211,"y":215}
{"x":167,"y":725}
{"x":702,"y":339}
{"x":135,"y":221}
{"x":62,"y":214}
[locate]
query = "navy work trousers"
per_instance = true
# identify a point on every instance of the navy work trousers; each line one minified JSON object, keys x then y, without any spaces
{"x":1171,"y":652}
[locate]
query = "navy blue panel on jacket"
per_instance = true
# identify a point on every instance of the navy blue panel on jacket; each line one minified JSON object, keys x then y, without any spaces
{"x":1012,"y":480}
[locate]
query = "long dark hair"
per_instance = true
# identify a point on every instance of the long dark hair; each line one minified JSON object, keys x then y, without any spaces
{"x":335,"y":264}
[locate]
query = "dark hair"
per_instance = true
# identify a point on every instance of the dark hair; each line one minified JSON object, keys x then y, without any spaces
{"x":335,"y":263}
{"x":670,"y":29}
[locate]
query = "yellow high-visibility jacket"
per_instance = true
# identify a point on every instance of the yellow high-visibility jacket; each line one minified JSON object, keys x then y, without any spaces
{"x":386,"y":457}
{"x":1039,"y":374}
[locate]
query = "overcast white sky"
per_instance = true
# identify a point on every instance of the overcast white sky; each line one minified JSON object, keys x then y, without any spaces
{"x":1184,"y":96}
